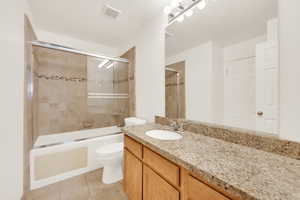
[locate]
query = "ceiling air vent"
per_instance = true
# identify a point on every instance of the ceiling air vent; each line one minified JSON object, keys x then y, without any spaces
{"x":111,"y":12}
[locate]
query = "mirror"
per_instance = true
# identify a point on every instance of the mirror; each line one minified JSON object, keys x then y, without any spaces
{"x":222,"y":64}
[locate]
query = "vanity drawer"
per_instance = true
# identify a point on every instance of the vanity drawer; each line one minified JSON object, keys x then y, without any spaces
{"x":198,"y":190}
{"x":134,"y":147}
{"x":162,"y":166}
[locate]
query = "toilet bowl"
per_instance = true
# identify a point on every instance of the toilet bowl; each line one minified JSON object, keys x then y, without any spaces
{"x":111,"y":156}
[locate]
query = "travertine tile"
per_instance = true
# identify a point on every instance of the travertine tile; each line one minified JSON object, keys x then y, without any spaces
{"x":84,"y":187}
{"x":29,"y":102}
{"x":51,"y":192}
{"x":130,"y":55}
{"x":63,"y":106}
{"x":75,"y":189}
{"x":175,"y":105}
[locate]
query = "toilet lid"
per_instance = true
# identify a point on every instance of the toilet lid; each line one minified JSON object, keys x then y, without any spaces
{"x":110,"y":149}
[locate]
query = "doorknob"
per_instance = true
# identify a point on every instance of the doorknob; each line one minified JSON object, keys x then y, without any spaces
{"x":260,"y":113}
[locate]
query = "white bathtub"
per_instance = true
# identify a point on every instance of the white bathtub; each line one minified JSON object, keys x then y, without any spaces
{"x":61,"y":156}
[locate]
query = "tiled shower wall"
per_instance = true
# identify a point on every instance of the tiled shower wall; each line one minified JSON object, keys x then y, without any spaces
{"x":29,"y":99}
{"x":60,"y":102}
{"x":63,"y":87}
{"x":175,"y":91}
{"x":130,"y":55}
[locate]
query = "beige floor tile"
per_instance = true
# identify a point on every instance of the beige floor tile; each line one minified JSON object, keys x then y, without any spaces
{"x":75,"y":189}
{"x":50,"y":192}
{"x":84,"y":187}
{"x":102,"y":191}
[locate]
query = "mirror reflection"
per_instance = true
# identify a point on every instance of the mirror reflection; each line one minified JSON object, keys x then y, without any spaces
{"x":222,"y":64}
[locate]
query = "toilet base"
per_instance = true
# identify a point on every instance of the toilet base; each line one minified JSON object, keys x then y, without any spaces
{"x":112,"y":173}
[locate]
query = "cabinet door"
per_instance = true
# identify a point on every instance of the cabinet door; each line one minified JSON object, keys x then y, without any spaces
{"x":156,"y":188}
{"x":198,"y":191}
{"x":162,"y":166}
{"x":133,"y":174}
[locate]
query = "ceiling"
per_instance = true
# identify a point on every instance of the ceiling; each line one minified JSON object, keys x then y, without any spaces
{"x":223,"y":21}
{"x":84,"y":19}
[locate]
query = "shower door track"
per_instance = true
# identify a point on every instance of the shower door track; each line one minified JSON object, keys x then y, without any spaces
{"x":71,"y":50}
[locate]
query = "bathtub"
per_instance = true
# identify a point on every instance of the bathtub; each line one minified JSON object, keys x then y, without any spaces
{"x":61,"y":156}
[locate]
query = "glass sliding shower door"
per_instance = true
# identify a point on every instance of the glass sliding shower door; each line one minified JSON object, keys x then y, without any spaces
{"x":107,"y":91}
{"x":175,"y":90}
{"x":74,"y":91}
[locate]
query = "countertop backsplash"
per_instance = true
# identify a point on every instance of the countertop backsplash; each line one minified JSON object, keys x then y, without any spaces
{"x":254,"y":139}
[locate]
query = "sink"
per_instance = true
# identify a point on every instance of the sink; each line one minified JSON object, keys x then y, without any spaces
{"x":164,"y":135}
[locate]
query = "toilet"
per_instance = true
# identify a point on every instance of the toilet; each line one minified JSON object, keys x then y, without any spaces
{"x":111,"y":156}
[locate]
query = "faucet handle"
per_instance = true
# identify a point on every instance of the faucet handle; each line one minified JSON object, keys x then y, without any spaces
{"x":181,"y":126}
{"x":173,"y":123}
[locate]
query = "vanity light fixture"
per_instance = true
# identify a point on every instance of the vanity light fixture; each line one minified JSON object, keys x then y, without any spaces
{"x":189,"y":13}
{"x":180,"y":18}
{"x":175,"y":3}
{"x":167,"y":10}
{"x":181,"y":8}
{"x":202,"y":5}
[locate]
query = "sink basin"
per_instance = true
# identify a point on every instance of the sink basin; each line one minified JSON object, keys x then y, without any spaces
{"x":164,"y":135}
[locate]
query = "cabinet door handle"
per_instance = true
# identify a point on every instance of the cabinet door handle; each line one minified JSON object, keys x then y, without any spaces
{"x":260,"y":113}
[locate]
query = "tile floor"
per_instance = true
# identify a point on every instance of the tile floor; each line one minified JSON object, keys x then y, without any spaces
{"x":84,"y":187}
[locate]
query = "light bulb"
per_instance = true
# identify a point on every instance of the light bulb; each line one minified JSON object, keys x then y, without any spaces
{"x":202,"y":5}
{"x":167,"y":10}
{"x":180,"y":18}
{"x":189,"y":13}
{"x":175,"y":3}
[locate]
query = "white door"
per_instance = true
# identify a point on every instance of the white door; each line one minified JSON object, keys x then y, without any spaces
{"x":239,"y":95}
{"x":267,"y":87}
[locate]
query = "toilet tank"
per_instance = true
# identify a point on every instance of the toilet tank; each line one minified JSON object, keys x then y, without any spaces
{"x":132,"y":121}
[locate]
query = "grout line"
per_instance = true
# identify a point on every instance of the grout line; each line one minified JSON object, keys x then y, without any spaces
{"x":88,"y":186}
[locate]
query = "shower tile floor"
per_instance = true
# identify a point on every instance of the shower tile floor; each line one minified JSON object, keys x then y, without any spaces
{"x":84,"y":187}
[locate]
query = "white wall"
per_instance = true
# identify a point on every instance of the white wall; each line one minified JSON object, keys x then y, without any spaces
{"x":209,"y":97}
{"x":243,"y":49}
{"x":12,"y":87}
{"x":28,"y":13}
{"x":217,"y":84}
{"x":289,"y":34}
{"x":150,"y":69}
{"x":65,"y":40}
{"x":199,"y":78}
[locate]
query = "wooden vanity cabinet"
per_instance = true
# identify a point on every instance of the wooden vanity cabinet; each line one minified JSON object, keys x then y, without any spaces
{"x":150,"y":176}
{"x":156,"y":188}
{"x":166,"y":169}
{"x":134,"y":147}
{"x":133,"y":176}
{"x":197,"y":190}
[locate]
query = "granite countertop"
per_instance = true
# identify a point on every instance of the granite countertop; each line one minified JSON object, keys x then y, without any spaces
{"x":244,"y":172}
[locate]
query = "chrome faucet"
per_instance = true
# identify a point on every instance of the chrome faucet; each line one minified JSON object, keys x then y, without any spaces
{"x":177,"y":126}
